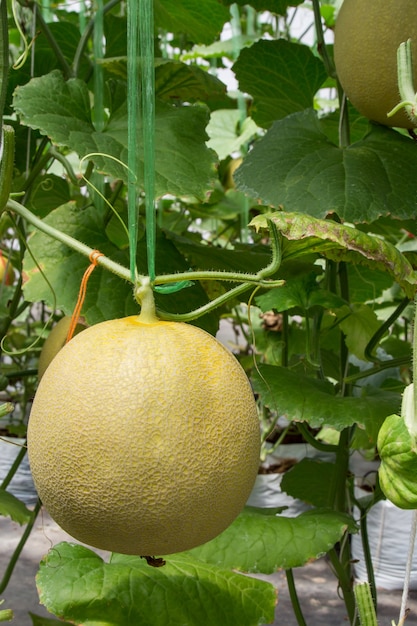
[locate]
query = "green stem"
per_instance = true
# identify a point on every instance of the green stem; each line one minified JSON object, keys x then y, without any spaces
{"x":344,"y":577}
{"x":375,"y":339}
{"x":15,"y":466}
{"x":321,"y":44}
{"x":144,"y":295}
{"x":6,"y":165}
{"x":285,"y":339}
{"x":66,"y":68}
{"x":67,"y":166}
{"x":15,"y":556}
{"x":405,"y":82}
{"x":69,"y":241}
{"x":381,"y":365}
{"x":367,"y":555}
{"x":7,"y":320}
{"x":318,"y":445}
{"x":294,"y":598}
{"x":233,"y":277}
{"x":18,"y":374}
{"x":206,"y":308}
{"x":82,"y":44}
{"x":338,"y":494}
{"x":258,"y":279}
{"x":121,"y":271}
{"x":37,"y":167}
{"x":338,"y":486}
{"x":124,"y":273}
{"x":365,"y":605}
{"x":344,"y":125}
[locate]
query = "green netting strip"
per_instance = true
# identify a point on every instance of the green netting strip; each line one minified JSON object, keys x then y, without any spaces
{"x":146,"y":49}
{"x":132,"y":130}
{"x":141,"y":115}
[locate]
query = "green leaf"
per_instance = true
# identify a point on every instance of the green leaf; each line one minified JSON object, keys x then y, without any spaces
{"x":310,"y":481}
{"x":263,"y":543}
{"x":366,"y":284}
{"x":303,"y":292}
{"x":201,"y":21}
{"x":175,"y":81}
{"x":12,"y":507}
{"x":76,"y":584}
{"x":244,"y":258}
{"x":222,"y":48}
{"x":107,"y":296}
{"x":37,"y":620}
{"x":301,"y":398}
{"x":295,"y":166}
{"x":341,"y":242}
{"x":67,"y":37}
{"x":281,"y":76}
{"x":359,"y":324}
{"x":49,"y":192}
{"x":227,"y":134}
{"x":398,"y":469}
{"x":61,"y":110}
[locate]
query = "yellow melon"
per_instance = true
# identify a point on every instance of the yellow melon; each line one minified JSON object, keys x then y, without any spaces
{"x":367,"y":35}
{"x":144,"y":437}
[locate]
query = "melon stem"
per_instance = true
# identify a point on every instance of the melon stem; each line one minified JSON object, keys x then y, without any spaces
{"x":144,"y":296}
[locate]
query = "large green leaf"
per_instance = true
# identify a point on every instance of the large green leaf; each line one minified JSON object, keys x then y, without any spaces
{"x":281,"y":76}
{"x":311,"y":481}
{"x":76,"y":584}
{"x":12,"y":507}
{"x":201,"y":21}
{"x":260,"y":543}
{"x":61,"y":110}
{"x":302,"y":398}
{"x":175,"y":81}
{"x":296,"y":166}
{"x":341,"y":242}
{"x":107,"y":296}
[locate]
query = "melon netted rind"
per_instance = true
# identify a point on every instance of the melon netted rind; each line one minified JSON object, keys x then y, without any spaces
{"x":144,"y":438}
{"x":367,"y":36}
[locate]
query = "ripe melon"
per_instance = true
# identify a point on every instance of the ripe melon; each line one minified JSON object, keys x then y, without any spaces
{"x":144,"y":437}
{"x":367,"y":35}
